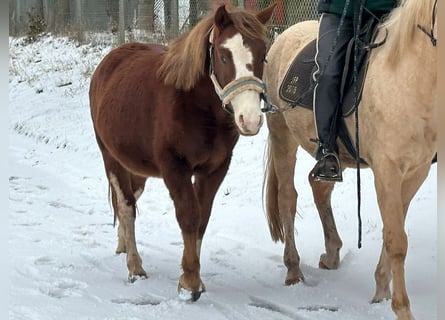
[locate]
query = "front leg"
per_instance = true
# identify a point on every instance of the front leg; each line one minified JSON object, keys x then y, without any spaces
{"x":177,"y":177}
{"x":206,"y":185}
{"x":281,"y":195}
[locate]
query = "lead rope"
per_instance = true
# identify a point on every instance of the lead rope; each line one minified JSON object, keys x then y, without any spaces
{"x":358,"y":22}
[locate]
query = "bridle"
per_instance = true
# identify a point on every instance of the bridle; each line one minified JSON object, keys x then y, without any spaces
{"x":236,"y":86}
{"x":430,"y":33}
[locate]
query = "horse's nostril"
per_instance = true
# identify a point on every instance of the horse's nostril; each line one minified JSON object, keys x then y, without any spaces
{"x":241,"y":120}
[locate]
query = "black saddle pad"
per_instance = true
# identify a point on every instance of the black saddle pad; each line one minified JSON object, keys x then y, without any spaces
{"x":297,"y":87}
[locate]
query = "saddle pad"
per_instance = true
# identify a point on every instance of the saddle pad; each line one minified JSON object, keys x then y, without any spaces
{"x":297,"y":87}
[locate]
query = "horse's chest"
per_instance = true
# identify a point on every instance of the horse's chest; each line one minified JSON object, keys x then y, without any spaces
{"x":213,"y":151}
{"x":209,"y":149}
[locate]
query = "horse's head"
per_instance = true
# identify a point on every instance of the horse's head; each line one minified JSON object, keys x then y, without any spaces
{"x":237,"y":54}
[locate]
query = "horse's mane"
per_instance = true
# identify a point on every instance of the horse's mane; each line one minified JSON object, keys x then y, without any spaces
{"x":402,"y":25}
{"x":184,"y":62}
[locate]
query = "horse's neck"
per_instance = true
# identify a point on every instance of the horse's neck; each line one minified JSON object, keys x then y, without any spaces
{"x":204,"y":95}
{"x":414,"y":69}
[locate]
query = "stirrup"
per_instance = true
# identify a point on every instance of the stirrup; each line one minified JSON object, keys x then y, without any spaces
{"x":328,"y":168}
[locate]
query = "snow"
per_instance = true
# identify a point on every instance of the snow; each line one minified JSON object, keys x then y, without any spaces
{"x":62,"y":240}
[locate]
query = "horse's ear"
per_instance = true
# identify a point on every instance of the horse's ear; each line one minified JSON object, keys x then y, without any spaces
{"x":264,"y":15}
{"x":222,"y":18}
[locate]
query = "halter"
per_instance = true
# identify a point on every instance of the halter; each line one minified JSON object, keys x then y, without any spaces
{"x":430,"y":33}
{"x":237,"y":86}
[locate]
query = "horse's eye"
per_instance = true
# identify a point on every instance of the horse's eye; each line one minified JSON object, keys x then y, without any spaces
{"x":223,"y":60}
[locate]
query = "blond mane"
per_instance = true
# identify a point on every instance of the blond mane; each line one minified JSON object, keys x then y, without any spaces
{"x":402,"y":25}
{"x":184,"y":62}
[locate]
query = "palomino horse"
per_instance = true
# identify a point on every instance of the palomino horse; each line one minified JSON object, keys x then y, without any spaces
{"x":398,"y":129}
{"x":157,"y":112}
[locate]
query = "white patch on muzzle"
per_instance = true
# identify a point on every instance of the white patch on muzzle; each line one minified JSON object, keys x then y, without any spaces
{"x":246,"y":105}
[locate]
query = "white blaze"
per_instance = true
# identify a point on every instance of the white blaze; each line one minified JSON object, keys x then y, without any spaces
{"x":246,"y":105}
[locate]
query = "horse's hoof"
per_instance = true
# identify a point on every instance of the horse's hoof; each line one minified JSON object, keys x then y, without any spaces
{"x":293,"y":277}
{"x":321,"y":265}
{"x":328,"y":264}
{"x":379,"y":297}
{"x":121,"y":249}
{"x":132,"y":278}
{"x":290,"y":282}
{"x":188,"y":295}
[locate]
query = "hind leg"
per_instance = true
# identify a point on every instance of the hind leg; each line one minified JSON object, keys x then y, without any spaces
{"x":322,"y":191}
{"x":124,"y":205}
{"x":138,"y":184}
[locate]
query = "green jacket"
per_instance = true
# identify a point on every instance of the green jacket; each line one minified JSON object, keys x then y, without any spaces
{"x":336,"y":6}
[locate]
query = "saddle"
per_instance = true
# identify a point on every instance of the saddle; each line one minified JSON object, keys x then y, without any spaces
{"x":298,"y":84}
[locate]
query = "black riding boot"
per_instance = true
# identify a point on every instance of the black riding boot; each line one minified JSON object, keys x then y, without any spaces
{"x":330,"y":60}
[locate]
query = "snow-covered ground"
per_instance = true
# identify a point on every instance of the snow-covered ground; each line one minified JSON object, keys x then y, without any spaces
{"x":62,"y":241}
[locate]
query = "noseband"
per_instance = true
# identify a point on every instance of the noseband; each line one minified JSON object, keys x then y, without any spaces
{"x":236,"y":86}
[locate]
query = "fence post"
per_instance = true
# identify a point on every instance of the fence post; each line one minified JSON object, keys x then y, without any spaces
{"x":121,"y":28}
{"x":79,"y":21}
{"x":171,"y":18}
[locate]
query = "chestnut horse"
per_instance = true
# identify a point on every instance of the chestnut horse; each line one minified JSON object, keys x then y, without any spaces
{"x":398,"y":138}
{"x":157,"y":112}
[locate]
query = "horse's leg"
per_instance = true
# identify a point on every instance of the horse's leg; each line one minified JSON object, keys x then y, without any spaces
{"x":177,"y":177}
{"x":124,"y":205}
{"x":322,"y":191}
{"x":281,"y":194}
{"x":124,"y":193}
{"x":382,"y":276}
{"x":137,"y":185}
{"x":206,"y":185}
{"x":394,"y":193}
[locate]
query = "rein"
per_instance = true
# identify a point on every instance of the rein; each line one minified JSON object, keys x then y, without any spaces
{"x":236,"y":86}
{"x":430,"y":33}
{"x":358,"y":21}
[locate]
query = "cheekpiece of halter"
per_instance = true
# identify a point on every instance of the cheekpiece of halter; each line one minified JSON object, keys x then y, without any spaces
{"x":236,"y":86}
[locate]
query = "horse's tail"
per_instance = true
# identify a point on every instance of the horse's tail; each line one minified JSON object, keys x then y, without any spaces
{"x":110,"y":203}
{"x":270,"y":196}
